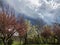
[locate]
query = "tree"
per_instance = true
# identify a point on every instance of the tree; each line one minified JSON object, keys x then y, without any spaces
{"x":31,"y":31}
{"x":7,"y":27}
{"x":56,"y":30}
{"x":21,"y":28}
{"x":46,"y":33}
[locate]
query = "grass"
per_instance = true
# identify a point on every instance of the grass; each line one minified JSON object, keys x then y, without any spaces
{"x":16,"y":43}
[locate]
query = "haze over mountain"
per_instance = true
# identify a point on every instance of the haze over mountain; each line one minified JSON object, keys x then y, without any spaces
{"x":46,"y":10}
{"x":9,"y":9}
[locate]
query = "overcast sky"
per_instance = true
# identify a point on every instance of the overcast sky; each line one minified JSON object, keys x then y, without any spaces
{"x":48,"y":10}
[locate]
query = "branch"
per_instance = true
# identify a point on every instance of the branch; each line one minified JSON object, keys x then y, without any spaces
{"x":10,"y":35}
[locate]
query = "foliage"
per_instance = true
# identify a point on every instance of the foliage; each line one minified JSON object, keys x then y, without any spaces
{"x":9,"y":25}
{"x":28,"y":33}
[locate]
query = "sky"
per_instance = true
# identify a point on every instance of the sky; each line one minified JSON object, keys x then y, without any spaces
{"x":48,"y":10}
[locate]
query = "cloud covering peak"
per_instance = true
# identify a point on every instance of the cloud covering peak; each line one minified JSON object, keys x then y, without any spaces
{"x":48,"y":10}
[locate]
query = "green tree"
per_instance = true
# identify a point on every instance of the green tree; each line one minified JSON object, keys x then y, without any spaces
{"x":28,"y":26}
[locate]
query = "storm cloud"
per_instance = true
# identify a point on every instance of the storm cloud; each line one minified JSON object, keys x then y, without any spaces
{"x":48,"y":10}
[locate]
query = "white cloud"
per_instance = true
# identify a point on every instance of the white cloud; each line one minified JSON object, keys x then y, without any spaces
{"x":52,"y":4}
{"x":40,"y":15}
{"x":34,"y":2}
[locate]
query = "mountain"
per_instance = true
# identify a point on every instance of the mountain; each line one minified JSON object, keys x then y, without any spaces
{"x":34,"y":21}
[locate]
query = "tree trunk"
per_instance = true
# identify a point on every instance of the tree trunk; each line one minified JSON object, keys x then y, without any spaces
{"x":25,"y":39}
{"x":20,"y":40}
{"x":54,"y":40}
{"x":5,"y":42}
{"x":38,"y":38}
{"x":58,"y":40}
